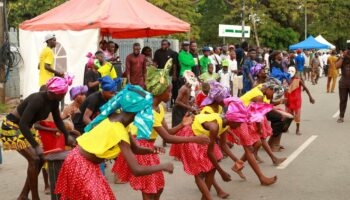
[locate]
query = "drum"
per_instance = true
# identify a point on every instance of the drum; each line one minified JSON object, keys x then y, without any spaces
{"x":55,"y":161}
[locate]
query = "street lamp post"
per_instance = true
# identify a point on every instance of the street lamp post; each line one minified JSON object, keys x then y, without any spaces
{"x":243,"y":24}
{"x":305,"y":6}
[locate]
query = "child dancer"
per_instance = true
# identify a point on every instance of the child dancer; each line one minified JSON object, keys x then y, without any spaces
{"x":80,"y":176}
{"x":152,"y":186}
{"x":293,"y":95}
{"x":262,"y":93}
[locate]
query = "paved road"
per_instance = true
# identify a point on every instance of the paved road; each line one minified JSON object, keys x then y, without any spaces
{"x":320,"y":172}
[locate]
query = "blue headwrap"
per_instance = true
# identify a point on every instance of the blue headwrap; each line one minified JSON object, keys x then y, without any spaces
{"x":131,"y":99}
{"x":109,"y":85}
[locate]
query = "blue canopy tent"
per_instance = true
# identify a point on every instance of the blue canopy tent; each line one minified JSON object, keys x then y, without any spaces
{"x":309,"y":43}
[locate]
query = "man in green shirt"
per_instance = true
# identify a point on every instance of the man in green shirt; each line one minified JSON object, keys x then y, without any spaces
{"x":205,"y":60}
{"x":186,"y":60}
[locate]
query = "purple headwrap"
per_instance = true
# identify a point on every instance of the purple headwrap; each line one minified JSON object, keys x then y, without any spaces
{"x":75,"y":91}
{"x":236,"y":111}
{"x":217,"y":93}
{"x":59,"y":85}
{"x":256,"y":69}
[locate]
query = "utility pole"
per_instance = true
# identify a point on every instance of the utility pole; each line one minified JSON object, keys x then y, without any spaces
{"x":305,"y":6}
{"x":2,"y":65}
{"x":243,"y":24}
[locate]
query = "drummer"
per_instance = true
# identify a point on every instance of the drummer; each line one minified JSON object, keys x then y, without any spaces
{"x":17,"y":132}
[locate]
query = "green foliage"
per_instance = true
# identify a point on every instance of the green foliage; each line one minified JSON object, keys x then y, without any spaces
{"x":21,"y":10}
{"x":278,"y":23}
{"x":3,"y":108}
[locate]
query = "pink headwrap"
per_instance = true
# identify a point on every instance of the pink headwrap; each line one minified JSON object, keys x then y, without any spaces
{"x":236,"y":112}
{"x":257,"y":111}
{"x":90,"y":62}
{"x":59,"y":85}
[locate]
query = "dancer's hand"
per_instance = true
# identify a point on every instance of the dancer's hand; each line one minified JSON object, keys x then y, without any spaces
{"x":312,"y":100}
{"x":168,"y":167}
{"x":201,"y":139}
{"x":187,"y":120}
{"x":71,"y":141}
{"x":158,"y":150}
{"x":225,"y":176}
{"x":39,"y":151}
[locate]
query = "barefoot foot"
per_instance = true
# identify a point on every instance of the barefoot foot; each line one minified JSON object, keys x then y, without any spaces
{"x":239,"y":172}
{"x":258,"y":159}
{"x":268,"y":181}
{"x":223,"y":195}
{"x":278,"y":161}
{"x":298,"y":133}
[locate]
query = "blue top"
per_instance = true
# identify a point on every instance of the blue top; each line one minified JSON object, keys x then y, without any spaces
{"x":247,"y":65}
{"x":300,"y":61}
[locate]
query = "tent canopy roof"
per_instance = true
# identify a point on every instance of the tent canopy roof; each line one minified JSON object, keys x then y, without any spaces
{"x":322,"y":40}
{"x":309,"y":43}
{"x":117,"y":18}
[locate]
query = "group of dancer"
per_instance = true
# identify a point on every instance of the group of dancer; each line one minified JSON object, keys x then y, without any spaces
{"x":129,"y":123}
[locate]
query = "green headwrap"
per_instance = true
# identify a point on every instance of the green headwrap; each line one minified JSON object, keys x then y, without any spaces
{"x":158,"y":80}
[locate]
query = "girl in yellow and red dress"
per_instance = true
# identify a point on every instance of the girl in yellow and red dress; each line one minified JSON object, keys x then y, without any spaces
{"x":201,"y":161}
{"x":151,"y":186}
{"x":105,"y":138}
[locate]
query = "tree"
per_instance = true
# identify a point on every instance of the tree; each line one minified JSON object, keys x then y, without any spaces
{"x":185,"y":10}
{"x":21,"y":10}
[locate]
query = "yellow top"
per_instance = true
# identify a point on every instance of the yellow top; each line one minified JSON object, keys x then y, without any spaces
{"x":198,"y":128}
{"x":46,"y":57}
{"x":255,"y":92}
{"x":209,"y":110}
{"x":103,"y":140}
{"x":107,"y":70}
{"x":158,"y":119}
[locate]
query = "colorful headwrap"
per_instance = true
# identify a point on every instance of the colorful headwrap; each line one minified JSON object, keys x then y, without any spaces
{"x":256,"y":69}
{"x":277,"y":87}
{"x":236,"y":110}
{"x":91,"y":59}
{"x":217,"y":93}
{"x":190,"y":77}
{"x":257,"y":111}
{"x":158,"y":80}
{"x":59,"y":85}
{"x":109,"y":85}
{"x":132,"y":99}
{"x":75,"y":91}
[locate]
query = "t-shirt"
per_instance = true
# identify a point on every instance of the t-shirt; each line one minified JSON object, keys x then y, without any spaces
{"x":307,"y":61}
{"x":107,"y":69}
{"x":300,"y":61}
{"x":225,"y":78}
{"x":186,"y":61}
{"x":93,"y":103}
{"x":46,"y":57}
{"x":232,"y":65}
{"x":204,"y":62}
{"x":136,"y":67}
{"x":162,"y":56}
{"x":197,"y":125}
{"x":103,"y":140}
{"x":200,"y":98}
{"x":206,"y":77}
{"x":91,"y":76}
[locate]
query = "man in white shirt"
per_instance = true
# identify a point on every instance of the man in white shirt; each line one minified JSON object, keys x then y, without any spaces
{"x":320,"y":57}
{"x":236,"y":79}
{"x":216,"y":59}
{"x":325,"y":57}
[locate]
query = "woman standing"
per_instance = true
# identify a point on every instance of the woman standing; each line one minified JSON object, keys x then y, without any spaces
{"x":17,"y":132}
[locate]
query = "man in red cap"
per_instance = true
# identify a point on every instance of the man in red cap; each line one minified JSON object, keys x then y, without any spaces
{"x":299,"y":62}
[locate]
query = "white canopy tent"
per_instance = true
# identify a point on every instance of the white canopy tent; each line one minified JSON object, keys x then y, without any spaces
{"x":322,"y":40}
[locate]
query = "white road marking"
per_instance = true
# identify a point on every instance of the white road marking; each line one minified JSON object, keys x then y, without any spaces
{"x":297,"y":152}
{"x":336,"y":114}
